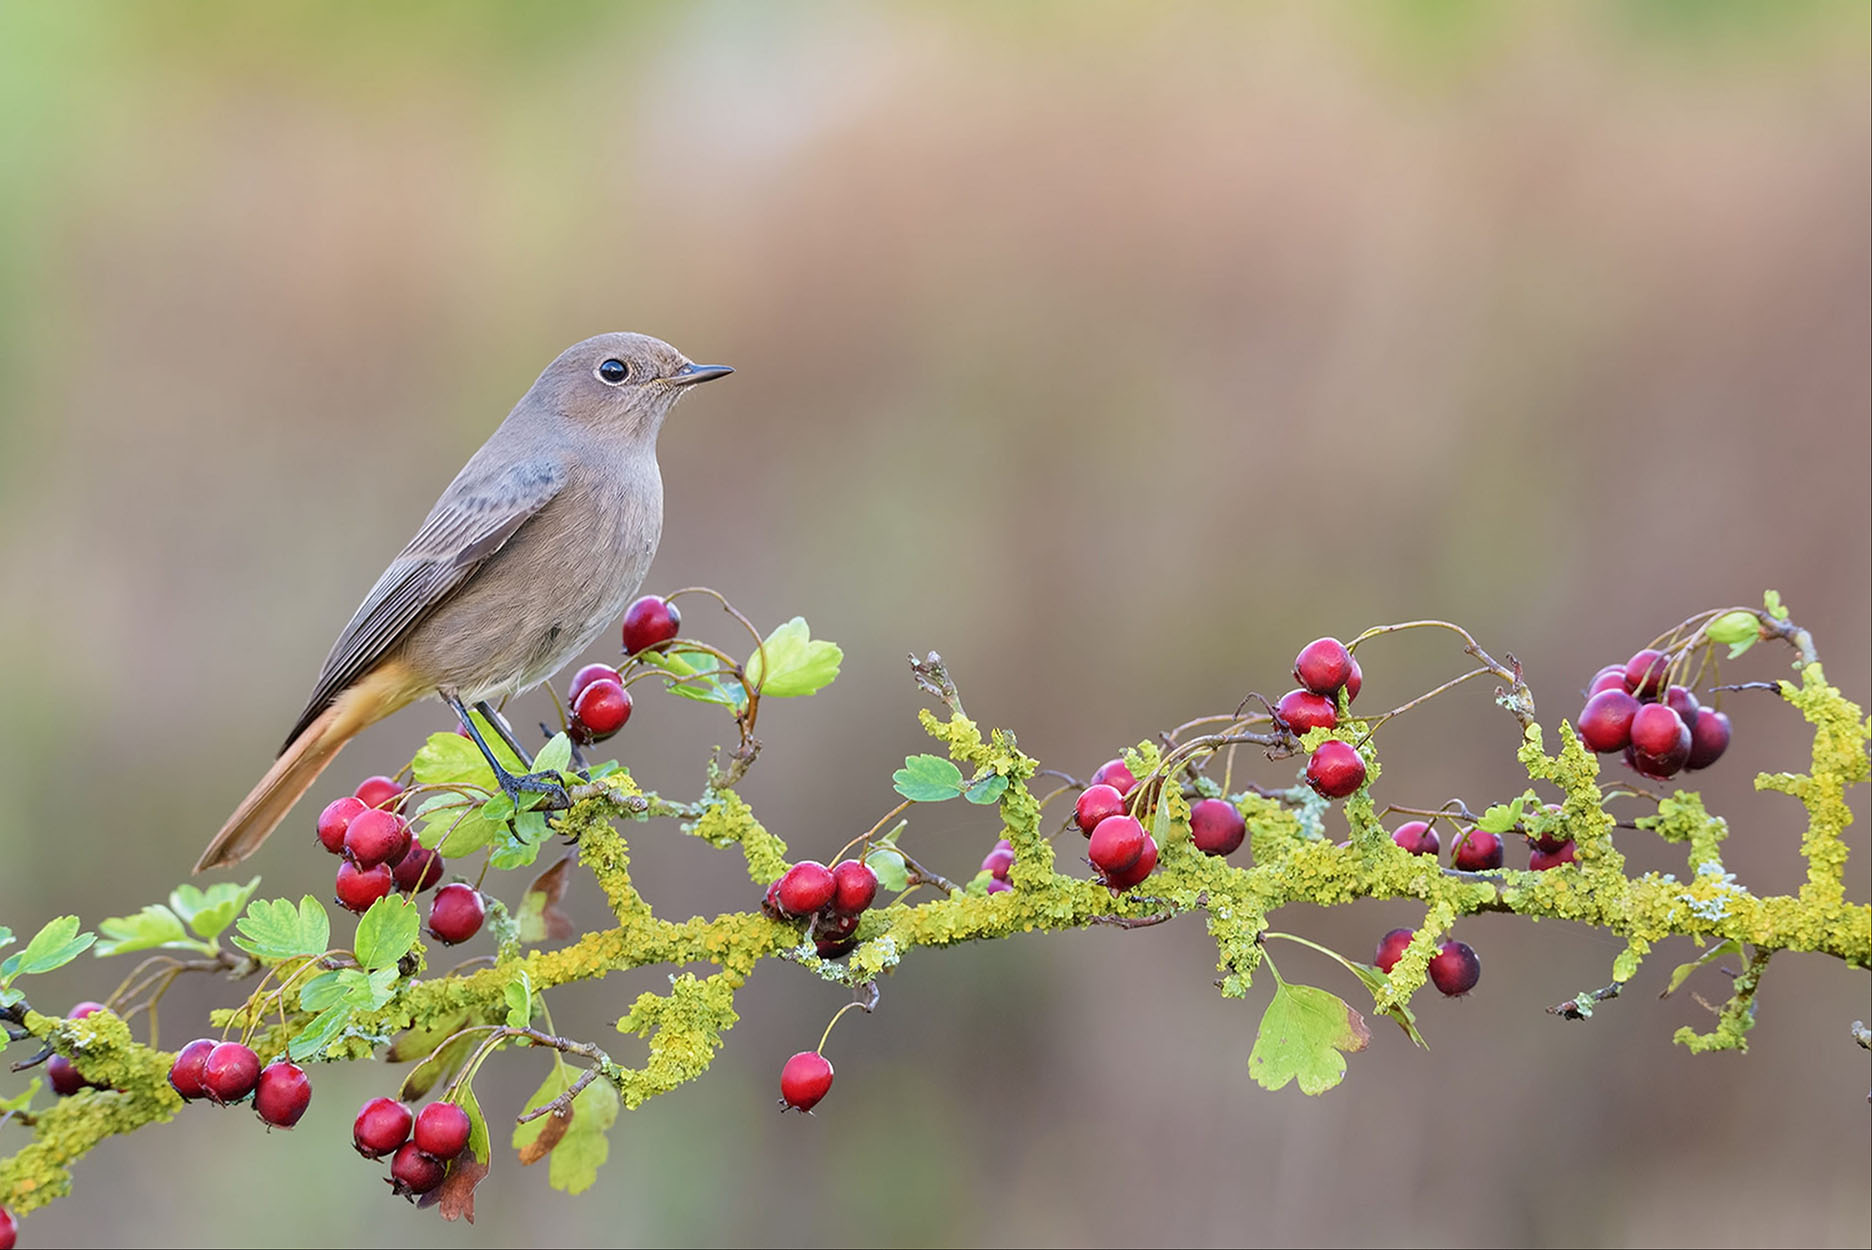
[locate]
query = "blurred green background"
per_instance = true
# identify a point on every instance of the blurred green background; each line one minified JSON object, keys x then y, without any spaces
{"x":1112,"y":350}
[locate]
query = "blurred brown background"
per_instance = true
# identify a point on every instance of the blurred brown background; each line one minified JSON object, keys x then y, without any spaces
{"x":1114,"y":351}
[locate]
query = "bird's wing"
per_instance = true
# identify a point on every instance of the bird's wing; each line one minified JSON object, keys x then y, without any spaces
{"x":474,"y":518}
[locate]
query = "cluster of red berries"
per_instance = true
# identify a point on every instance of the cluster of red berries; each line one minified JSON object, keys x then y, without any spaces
{"x":600,"y":704}
{"x":1478,"y":850}
{"x":804,"y":1080}
{"x":1323,"y":668}
{"x":1454,"y":969}
{"x":833,"y":898}
{"x":381,"y":854}
{"x":421,"y":1145}
{"x":227,"y":1072}
{"x":1661,"y":728}
{"x":1120,"y":851}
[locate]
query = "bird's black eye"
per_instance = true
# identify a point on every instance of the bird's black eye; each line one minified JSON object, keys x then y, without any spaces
{"x":614,"y":371}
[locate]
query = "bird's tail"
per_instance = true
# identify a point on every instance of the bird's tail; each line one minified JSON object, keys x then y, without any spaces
{"x":374,"y":697}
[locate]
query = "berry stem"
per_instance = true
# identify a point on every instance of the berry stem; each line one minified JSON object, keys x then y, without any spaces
{"x":837,"y":1015}
{"x":870,"y":833}
{"x":1378,"y":721}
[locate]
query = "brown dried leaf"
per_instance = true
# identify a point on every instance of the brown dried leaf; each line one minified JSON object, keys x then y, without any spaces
{"x":554,"y":1128}
{"x":540,"y":917}
{"x":456,"y":1193}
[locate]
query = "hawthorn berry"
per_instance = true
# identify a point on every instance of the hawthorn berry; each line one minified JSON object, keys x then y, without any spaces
{"x":834,"y":935}
{"x":1644,"y":673}
{"x":997,"y":862}
{"x":64,"y":1077}
{"x":1391,"y":949}
{"x":1660,"y":741}
{"x":419,"y":868}
{"x":1323,"y":666}
{"x":378,"y":791}
{"x":382,"y":1125}
{"x":1540,"y":860}
{"x":456,"y":913}
{"x":1301,"y":710}
{"x":601,"y":710}
{"x":1134,"y":875}
{"x":1335,"y":770}
{"x":1681,"y":701}
{"x":9,"y":1230}
{"x":1355,"y":682}
{"x":854,"y":887}
{"x":1454,"y":969}
{"x":335,"y":819}
{"x":1611,"y":677}
{"x":806,"y":1078}
{"x":229,"y":1072}
{"x":1477,"y":850}
{"x":185,"y":1074}
{"x":1605,"y":724}
{"x":282,"y":1094}
{"x":413,"y":1172}
{"x":1417,"y":837}
{"x":586,"y":676}
{"x":1116,"y":774}
{"x":81,"y":1010}
{"x":1216,"y":827}
{"x":1096,"y":802}
{"x":357,"y":888}
{"x":650,"y":622}
{"x":377,"y":837}
{"x":1116,"y":844}
{"x":1551,"y":842}
{"x":805,"y":888}
{"x":1709,"y":738}
{"x":997,"y":886}
{"x":442,"y":1130}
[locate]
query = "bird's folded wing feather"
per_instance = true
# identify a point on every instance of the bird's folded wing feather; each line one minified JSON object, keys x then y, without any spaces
{"x":472,"y":520}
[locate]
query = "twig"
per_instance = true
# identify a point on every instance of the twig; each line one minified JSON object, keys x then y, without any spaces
{"x":1580,"y":1007}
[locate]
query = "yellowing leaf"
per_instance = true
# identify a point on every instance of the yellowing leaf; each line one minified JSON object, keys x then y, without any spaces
{"x":1302,"y":1033}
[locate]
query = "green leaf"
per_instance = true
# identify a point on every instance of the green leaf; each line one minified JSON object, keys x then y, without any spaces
{"x":515,"y":854}
{"x":518,"y":994}
{"x":449,"y":1055}
{"x":386,"y":932}
{"x":892,"y":873}
{"x":1772,"y":601}
{"x":986,"y":789}
{"x":1502,"y":816}
{"x":210,"y":911}
{"x":1376,"y":982}
{"x":23,"y":1099}
{"x":322,"y":1032}
{"x":273,"y":929}
{"x":326,"y":989}
{"x":155,"y":925}
{"x":6,"y":936}
{"x":449,"y":759}
{"x":928,"y":779}
{"x":1302,"y":1033}
{"x":472,"y":832}
{"x":1683,"y":971}
{"x":54,"y":946}
{"x":795,"y":663}
{"x":555,"y":756}
{"x":530,"y":825}
{"x":8,"y":997}
{"x":1734,"y":627}
{"x":583,"y":1148}
{"x":499,"y":808}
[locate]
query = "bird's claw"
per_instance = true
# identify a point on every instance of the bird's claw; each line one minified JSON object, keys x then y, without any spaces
{"x":548,"y":784}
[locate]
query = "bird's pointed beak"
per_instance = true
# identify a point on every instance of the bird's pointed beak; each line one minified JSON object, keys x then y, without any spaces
{"x":689,"y":375}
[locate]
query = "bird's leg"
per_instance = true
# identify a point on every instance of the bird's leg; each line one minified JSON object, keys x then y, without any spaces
{"x":547,"y":784}
{"x":505,"y":730}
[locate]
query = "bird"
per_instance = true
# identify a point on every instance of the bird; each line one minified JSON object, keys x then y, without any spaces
{"x":536,"y":547}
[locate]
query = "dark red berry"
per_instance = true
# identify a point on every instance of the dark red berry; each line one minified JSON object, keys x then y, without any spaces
{"x":229,"y":1072}
{"x":1477,"y":850}
{"x":854,"y":887}
{"x":335,"y":819}
{"x":377,"y":837}
{"x":586,"y":676}
{"x":1335,"y":769}
{"x":806,"y":1078}
{"x":379,"y":791}
{"x":1454,"y":969}
{"x":1095,"y":804}
{"x":9,"y":1230}
{"x":1216,"y":827}
{"x":806,"y":887}
{"x":1323,"y":666}
{"x":997,"y":862}
{"x":1417,"y":837}
{"x":413,"y":1172}
{"x":456,"y":913}
{"x":600,"y":711}
{"x":81,"y":1010}
{"x":1355,"y":682}
{"x":1605,"y":724}
{"x":1551,"y":842}
{"x":1682,"y":702}
{"x":357,"y":888}
{"x":282,"y":1095}
{"x":382,"y":1125}
{"x":997,"y":886}
{"x":650,"y":622}
{"x":771,"y":902}
{"x":64,"y":1078}
{"x":1660,"y":741}
{"x":1301,"y":710}
{"x":1644,"y":673}
{"x":1145,"y":864}
{"x":1541,"y":861}
{"x":442,"y":1130}
{"x":1611,"y":677}
{"x":419,"y":868}
{"x":1709,"y":739}
{"x":1116,"y":844}
{"x":1391,"y":949}
{"x":1116,"y":774}
{"x":834,"y":935}
{"x":185,"y":1074}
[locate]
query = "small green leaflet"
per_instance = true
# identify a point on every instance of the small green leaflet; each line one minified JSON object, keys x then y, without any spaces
{"x":386,"y":932}
{"x":210,"y":911}
{"x":555,"y":756}
{"x":155,"y":925}
{"x":892,"y":873}
{"x":1302,"y":1033}
{"x":274,"y":929}
{"x":1738,"y":630}
{"x":1502,"y":817}
{"x":696,"y":668}
{"x":55,"y":945}
{"x":1772,"y":601}
{"x":928,"y":779}
{"x":23,"y":1099}
{"x":336,"y":995}
{"x":583,"y":1148}
{"x":795,"y":662}
{"x":518,"y":994}
{"x":985,"y":789}
{"x":1683,"y":971}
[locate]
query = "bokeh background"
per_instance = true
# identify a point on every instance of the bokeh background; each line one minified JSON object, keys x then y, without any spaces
{"x":1112,"y":350}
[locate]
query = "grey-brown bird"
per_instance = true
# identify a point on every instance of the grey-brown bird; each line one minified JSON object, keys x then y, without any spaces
{"x":534,"y":549}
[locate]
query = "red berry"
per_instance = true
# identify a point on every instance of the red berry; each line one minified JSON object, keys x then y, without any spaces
{"x":997,"y":862}
{"x":806,"y":1078}
{"x":997,"y":886}
{"x":771,"y":902}
{"x":1391,"y":949}
{"x":335,"y":819}
{"x":1454,"y":969}
{"x":419,"y":868}
{"x":229,"y":1072}
{"x":185,"y":1074}
{"x":1096,"y":802}
{"x":456,"y":913}
{"x":806,"y":887}
{"x":379,"y":791}
{"x":1355,"y":682}
{"x":377,"y":837}
{"x":854,"y":887}
{"x":282,"y":1095}
{"x":1477,"y":850}
{"x":1682,"y":702}
{"x":1116,"y":844}
{"x":1417,"y":837}
{"x":649,"y":622}
{"x":1644,"y":673}
{"x":834,"y":935}
{"x":1323,"y":666}
{"x":442,"y":1130}
{"x":600,"y":711}
{"x":64,"y":1078}
{"x":1611,"y":677}
{"x":1708,"y":739}
{"x":81,"y":1010}
{"x":1551,"y":842}
{"x":357,"y":888}
{"x":1335,"y":769}
{"x":1660,"y":741}
{"x":1301,"y":710}
{"x":586,"y":676}
{"x":382,"y":1125}
{"x":1541,"y":861}
{"x":1605,"y":724}
{"x":9,"y":1230}
{"x":413,"y":1172}
{"x":1216,"y":827}
{"x":1117,"y":775}
{"x":1135,"y":874}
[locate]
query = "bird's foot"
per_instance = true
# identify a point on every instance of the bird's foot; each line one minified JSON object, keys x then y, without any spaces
{"x":548,"y":784}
